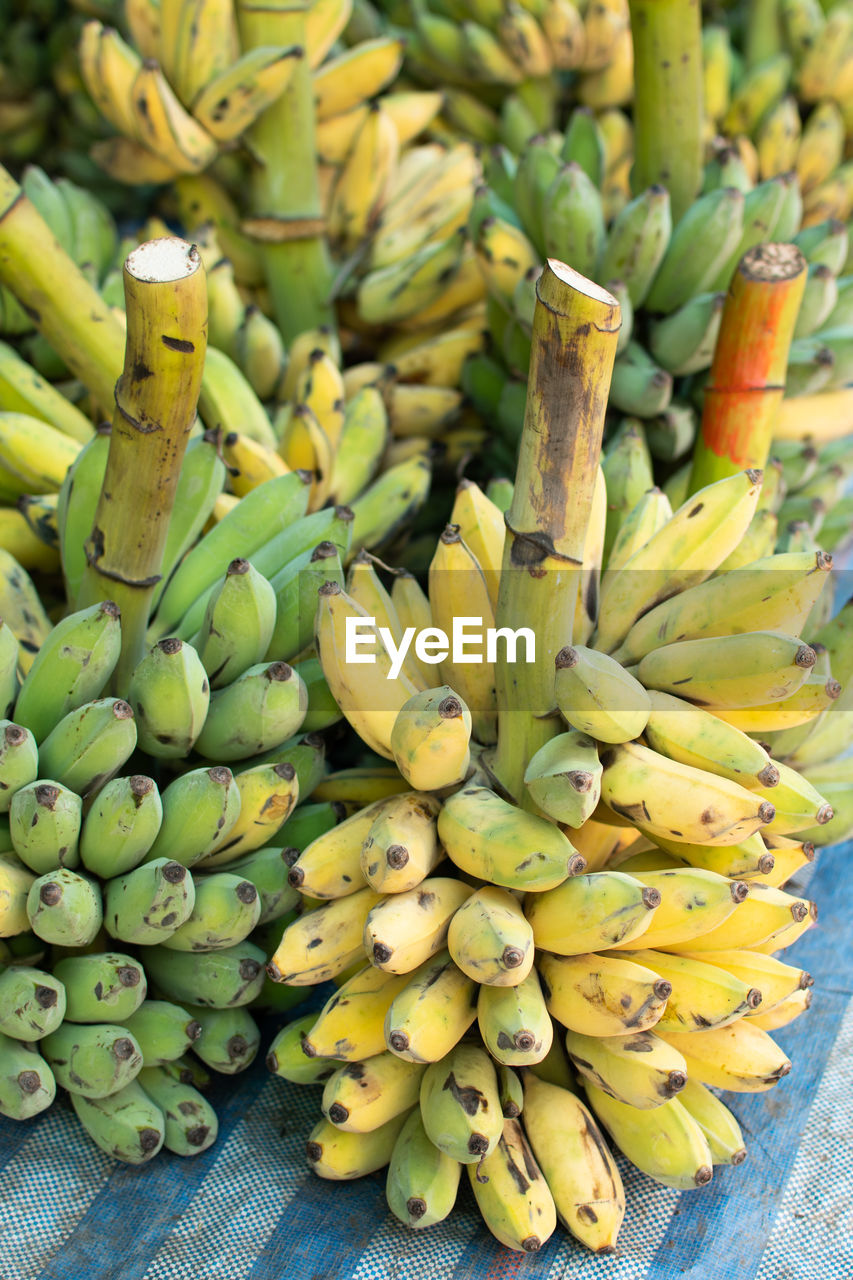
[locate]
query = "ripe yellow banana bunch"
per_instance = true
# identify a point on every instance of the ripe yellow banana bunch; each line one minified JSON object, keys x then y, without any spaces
{"x":598,"y":957}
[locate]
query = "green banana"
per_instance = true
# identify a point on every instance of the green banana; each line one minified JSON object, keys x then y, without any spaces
{"x":199,"y":810}
{"x":65,"y":909}
{"x":361,"y":444}
{"x":72,"y":666}
{"x":44,"y":824}
{"x":238,"y":624}
{"x":296,"y":588}
{"x":422,"y":1180}
{"x":200,"y":483}
{"x":460,"y":1105}
{"x":225,"y":911}
{"x":683,"y":342}
{"x":515,"y":1023}
{"x":170,"y":695}
{"x":33,"y":1003}
{"x":101,"y":987}
{"x":148,"y":903}
{"x":700,"y":246}
{"x":121,"y":825}
{"x":219,"y":979}
{"x":637,"y":242}
{"x":89,"y":745}
{"x":191,"y":1125}
{"x":260,"y":709}
{"x":268,"y":793}
{"x":76,"y":507}
{"x":639,"y":386}
{"x":93,"y":1061}
{"x":126,"y":1125}
{"x":627,"y":467}
{"x":19,"y":755}
{"x":598,"y":697}
{"x":27,"y":1084}
{"x":573,"y":220}
{"x":564,"y":778}
{"x":490,"y":940}
{"x":722,"y":1131}
{"x":286,"y":1059}
{"x":229,"y":1039}
{"x":163,"y":1031}
{"x":8,"y":670}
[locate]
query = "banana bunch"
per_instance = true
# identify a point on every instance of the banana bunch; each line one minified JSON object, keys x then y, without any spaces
{"x":134,"y":912}
{"x":514,"y":979}
{"x":502,"y":67}
{"x":567,"y":196}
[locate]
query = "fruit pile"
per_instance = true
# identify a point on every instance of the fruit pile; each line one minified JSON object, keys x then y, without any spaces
{"x":625,"y":902}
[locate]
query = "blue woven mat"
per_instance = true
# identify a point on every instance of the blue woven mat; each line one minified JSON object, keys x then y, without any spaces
{"x":248,"y":1209}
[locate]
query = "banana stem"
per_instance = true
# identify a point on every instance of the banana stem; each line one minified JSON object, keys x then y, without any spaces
{"x":288,"y":221}
{"x":668,"y":105}
{"x":744,"y":394}
{"x":575,"y":329}
{"x":155,"y":403}
{"x":56,"y":295}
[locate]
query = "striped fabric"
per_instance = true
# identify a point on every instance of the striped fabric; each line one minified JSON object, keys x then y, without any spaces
{"x":248,"y":1209}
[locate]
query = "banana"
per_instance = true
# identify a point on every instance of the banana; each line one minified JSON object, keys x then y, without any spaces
{"x":363,"y":437}
{"x":730,"y":671}
{"x":512,"y":1094}
{"x":33,"y":1002}
{"x":65,"y":908}
{"x":148,"y":903}
{"x":405,"y":929}
{"x":238,"y":624}
{"x":365,"y":587}
{"x":92,"y":1061}
{"x":27,"y":1084}
{"x":162,"y":124}
{"x":488,"y":838}
{"x":741,"y":861}
{"x":580,"y":1171}
{"x":696,"y":539}
{"x":789,"y":856}
{"x":199,"y":486}
{"x":259,"y":710}
{"x":44,"y":825}
{"x":591,"y":912}
{"x":286,"y":1059}
{"x":231,"y":101}
{"x":163,"y":1031}
{"x":686,"y":733}
{"x":799,"y":805}
{"x":361,"y":1096}
{"x":401,"y":845}
{"x":268,"y":794}
{"x":458,"y":587}
{"x":627,"y":467}
{"x":324,"y":942}
{"x":598,"y":697}
{"x":372,"y":702}
{"x":460,"y":1105}
{"x":814,"y":696}
{"x":340,"y":1156}
{"x":665,"y":1143}
{"x":19,"y":756}
{"x":678,"y":801}
{"x":223,"y":979}
{"x":640,"y":1069}
{"x":350,"y":1026}
{"x":229,"y":1040}
{"x":772,"y":978}
{"x":191,"y":1125}
{"x":766,"y":915}
{"x":604,"y":995}
{"x":196,"y":42}
{"x":109,"y":67}
{"x":225,"y":911}
{"x":740,"y":1057}
{"x":199,"y":810}
{"x":359,"y":192}
{"x":514,"y":1022}
{"x":127,"y":1125}
{"x":783,"y":1014}
{"x":24,"y":391}
{"x":266,"y":869}
{"x":101,"y":987}
{"x":76,"y":507}
{"x":702,"y":996}
{"x":360,"y":786}
{"x":431,"y":1011}
{"x":295,"y":596}
{"x":22,"y":612}
{"x":259,"y":351}
{"x":120,"y":826}
{"x":430,"y":739}
{"x":490,"y":939}
{"x":422,"y":1181}
{"x":266,"y":511}
{"x":774,"y":593}
{"x":72,"y":666}
{"x":719,"y":1126}
{"x":573,"y":220}
{"x":89,"y":745}
{"x":511,"y":1191}
{"x":714,"y":222}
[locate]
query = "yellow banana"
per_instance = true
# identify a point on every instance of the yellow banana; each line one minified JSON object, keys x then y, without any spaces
{"x":165,"y":127}
{"x":361,"y":1096}
{"x":349,"y":1027}
{"x":640,"y":1069}
{"x":432,"y":1011}
{"x":740,"y":1057}
{"x":230,"y":102}
{"x":603,"y":994}
{"x":324,"y":942}
{"x":404,"y":929}
{"x":665,"y":1143}
{"x":766,"y":915}
{"x":356,"y":75}
{"x":702,"y":995}
{"x":512,"y":1193}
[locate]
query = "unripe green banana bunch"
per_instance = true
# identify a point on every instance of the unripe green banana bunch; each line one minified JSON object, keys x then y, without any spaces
{"x":612,"y":931}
